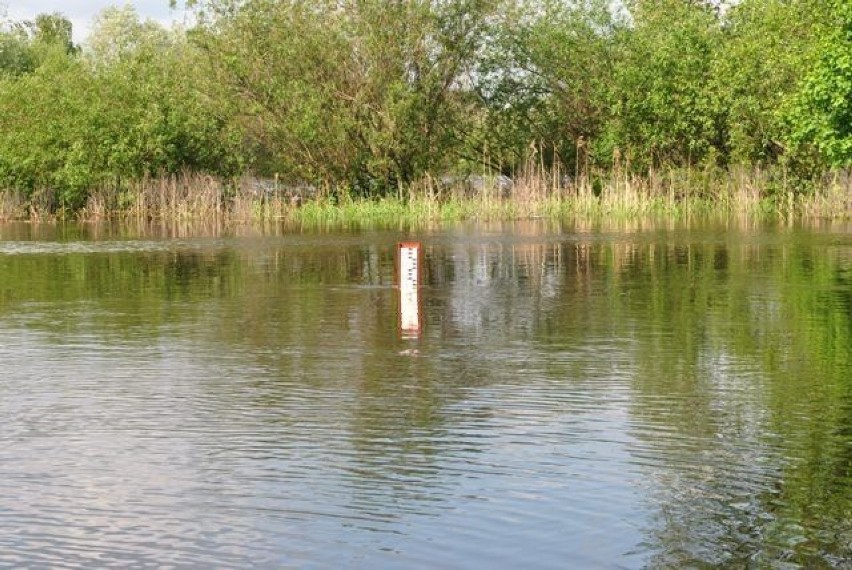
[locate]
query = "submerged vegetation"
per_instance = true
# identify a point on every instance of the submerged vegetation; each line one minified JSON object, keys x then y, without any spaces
{"x":326,"y":110}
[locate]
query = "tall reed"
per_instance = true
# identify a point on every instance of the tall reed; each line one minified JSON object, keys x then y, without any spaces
{"x":536,"y":192}
{"x":12,"y":206}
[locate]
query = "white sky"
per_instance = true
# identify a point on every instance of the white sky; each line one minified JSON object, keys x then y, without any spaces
{"x":82,"y":12}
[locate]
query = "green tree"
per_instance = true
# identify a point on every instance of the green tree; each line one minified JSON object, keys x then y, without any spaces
{"x":545,"y":80}
{"x":16,"y":55}
{"x":366,"y":92}
{"x":821,"y":114}
{"x":168,"y":120}
{"x":663,"y":109}
{"x":140,"y":104}
{"x":24,"y":45}
{"x":767,"y":45}
{"x":40,"y":113}
{"x":53,"y":30}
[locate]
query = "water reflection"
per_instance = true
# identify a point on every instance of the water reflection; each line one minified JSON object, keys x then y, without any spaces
{"x":638,"y":396}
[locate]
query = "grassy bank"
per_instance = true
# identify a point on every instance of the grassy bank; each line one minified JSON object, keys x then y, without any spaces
{"x":675,"y":194}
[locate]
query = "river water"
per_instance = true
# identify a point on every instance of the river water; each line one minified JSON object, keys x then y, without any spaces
{"x":587,"y":396}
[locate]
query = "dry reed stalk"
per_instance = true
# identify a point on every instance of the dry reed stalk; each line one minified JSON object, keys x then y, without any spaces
{"x":100,"y":205}
{"x":12,"y":206}
{"x":42,"y":205}
{"x":837,"y":198}
{"x":179,"y":196}
{"x":744,"y":193}
{"x":245,"y":205}
{"x":537,"y":192}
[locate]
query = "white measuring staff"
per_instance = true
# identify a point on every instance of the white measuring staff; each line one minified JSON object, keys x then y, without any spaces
{"x":409,"y":286}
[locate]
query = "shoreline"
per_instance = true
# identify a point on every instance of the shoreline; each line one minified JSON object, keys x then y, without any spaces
{"x":206,"y":199}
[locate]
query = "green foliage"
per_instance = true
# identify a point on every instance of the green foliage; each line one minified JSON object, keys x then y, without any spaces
{"x":26,"y":45}
{"x":16,"y":57}
{"x":545,"y":80}
{"x":37,"y":127}
{"x":136,"y":106}
{"x":766,"y":45}
{"x":822,"y":112}
{"x":664,"y":109}
{"x":167,"y":122}
{"x":373,"y":95}
{"x":369,"y":93}
{"x":53,"y":30}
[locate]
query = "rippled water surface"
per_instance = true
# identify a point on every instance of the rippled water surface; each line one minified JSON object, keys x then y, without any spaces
{"x":583,"y":397}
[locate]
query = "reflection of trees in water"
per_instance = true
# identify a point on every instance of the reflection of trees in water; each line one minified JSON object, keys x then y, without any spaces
{"x":740,"y":390}
{"x":741,"y":366}
{"x":122,"y":294}
{"x":738,"y":348}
